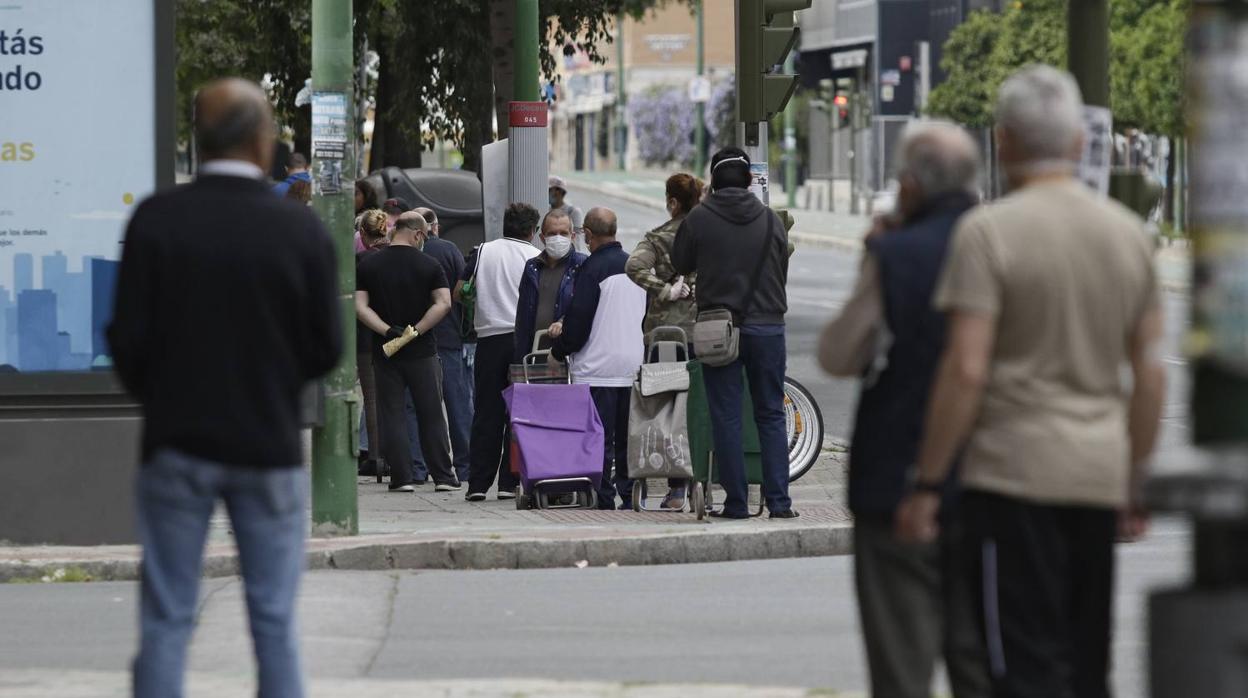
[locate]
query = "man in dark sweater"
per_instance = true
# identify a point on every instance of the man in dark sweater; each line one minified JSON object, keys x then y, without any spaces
{"x":739,"y":248}
{"x":398,"y":287}
{"x":225,"y":307}
{"x":456,"y":380}
{"x":914,"y":602}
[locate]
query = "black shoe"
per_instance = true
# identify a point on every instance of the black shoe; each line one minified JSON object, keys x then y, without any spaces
{"x":475,"y":497}
{"x":790,"y":514}
{"x":727,"y":515}
{"x":368,"y":468}
{"x":402,"y":488}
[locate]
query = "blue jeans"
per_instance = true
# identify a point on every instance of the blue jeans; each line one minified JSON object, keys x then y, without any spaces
{"x":267,"y":508}
{"x":457,"y":394}
{"x":763,"y":358}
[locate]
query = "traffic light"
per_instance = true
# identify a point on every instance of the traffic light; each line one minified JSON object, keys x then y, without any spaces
{"x":766,"y":34}
{"x":841,"y":103}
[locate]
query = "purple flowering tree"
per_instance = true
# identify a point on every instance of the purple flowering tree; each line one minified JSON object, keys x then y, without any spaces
{"x":721,"y":115}
{"x":663,"y":121}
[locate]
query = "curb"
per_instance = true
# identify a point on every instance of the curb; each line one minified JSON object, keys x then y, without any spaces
{"x":738,"y":541}
{"x":795,"y":236}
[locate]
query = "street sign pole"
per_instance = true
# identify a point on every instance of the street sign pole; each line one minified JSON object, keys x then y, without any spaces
{"x":1195,"y":631}
{"x":790,"y":145}
{"x":528,"y":148}
{"x":335,"y":507}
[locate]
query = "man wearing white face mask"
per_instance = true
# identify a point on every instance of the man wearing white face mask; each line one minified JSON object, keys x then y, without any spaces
{"x":546,"y":286}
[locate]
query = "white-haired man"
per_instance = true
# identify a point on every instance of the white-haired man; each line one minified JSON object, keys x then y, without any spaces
{"x":912,"y":598}
{"x":1049,"y":292}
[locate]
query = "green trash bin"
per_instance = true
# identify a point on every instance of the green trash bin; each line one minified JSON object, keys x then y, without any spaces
{"x":702,"y":440}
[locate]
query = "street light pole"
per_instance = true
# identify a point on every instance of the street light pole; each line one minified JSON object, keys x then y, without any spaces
{"x":621,"y":127}
{"x":699,"y":139}
{"x":335,"y":507}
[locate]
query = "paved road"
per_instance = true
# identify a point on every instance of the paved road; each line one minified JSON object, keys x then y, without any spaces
{"x":776,"y":623}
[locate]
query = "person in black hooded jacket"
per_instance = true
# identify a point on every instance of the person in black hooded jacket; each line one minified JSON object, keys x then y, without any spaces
{"x":739,"y":249}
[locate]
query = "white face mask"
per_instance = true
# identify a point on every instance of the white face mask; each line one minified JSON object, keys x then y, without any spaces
{"x":558,"y":246}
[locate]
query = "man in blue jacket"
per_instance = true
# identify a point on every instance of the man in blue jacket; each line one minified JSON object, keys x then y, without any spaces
{"x":296,"y":171}
{"x":602,"y":341}
{"x":546,"y":287}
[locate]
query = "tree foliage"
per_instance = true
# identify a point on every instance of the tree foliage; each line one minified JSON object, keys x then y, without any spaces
{"x":245,"y":39}
{"x":1146,"y":49}
{"x":444,"y":64}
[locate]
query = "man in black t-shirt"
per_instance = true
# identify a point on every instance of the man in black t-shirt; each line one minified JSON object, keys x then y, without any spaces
{"x":396,"y":287}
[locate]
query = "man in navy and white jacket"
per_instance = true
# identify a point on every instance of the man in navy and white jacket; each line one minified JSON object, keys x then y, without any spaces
{"x":601,"y":339}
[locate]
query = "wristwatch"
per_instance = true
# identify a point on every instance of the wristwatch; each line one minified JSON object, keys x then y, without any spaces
{"x":915,"y":483}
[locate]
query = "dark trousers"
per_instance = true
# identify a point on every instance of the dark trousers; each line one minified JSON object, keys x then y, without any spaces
{"x":489,"y":419}
{"x":915,"y":606}
{"x":457,"y":392}
{"x":368,"y":386}
{"x":612,"y":405}
{"x":763,"y":359}
{"x":421,"y":379}
{"x":1043,"y":579}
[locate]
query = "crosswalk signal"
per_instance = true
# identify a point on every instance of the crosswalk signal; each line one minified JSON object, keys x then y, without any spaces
{"x":766,"y":33}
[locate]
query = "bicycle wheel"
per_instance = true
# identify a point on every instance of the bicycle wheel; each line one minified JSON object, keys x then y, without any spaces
{"x":804,"y":424}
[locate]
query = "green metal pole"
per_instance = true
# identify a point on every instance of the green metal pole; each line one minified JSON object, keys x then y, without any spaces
{"x":789,"y":146}
{"x":699,"y":138}
{"x":335,"y":508}
{"x":527,"y":41}
{"x":621,"y":128}
{"x":1087,"y":48}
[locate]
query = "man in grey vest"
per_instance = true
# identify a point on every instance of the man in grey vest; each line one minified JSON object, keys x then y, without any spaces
{"x":913,"y":601}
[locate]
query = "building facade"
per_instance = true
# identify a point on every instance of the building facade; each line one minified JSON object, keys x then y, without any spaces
{"x":872,"y":61}
{"x":589,"y":128}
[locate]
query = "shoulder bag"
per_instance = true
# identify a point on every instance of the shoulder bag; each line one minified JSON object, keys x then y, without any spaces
{"x":468,"y":299}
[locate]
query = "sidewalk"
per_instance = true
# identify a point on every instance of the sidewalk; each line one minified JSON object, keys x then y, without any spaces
{"x":431,"y":530}
{"x":101,"y":684}
{"x":822,"y":228}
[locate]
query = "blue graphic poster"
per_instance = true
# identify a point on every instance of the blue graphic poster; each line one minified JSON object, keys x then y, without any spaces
{"x":76,"y":155}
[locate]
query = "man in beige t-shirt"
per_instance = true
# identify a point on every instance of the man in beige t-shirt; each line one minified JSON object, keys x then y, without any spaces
{"x":1050,"y":293}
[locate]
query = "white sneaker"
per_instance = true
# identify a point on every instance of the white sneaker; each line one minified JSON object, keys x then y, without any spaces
{"x":475,"y":497}
{"x":403,"y":488}
{"x":506,"y":494}
{"x":446,"y":487}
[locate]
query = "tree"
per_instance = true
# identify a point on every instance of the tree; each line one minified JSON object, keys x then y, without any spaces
{"x":215,"y":39}
{"x":966,"y":94}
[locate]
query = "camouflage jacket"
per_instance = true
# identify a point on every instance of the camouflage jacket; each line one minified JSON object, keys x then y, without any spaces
{"x":650,"y":267}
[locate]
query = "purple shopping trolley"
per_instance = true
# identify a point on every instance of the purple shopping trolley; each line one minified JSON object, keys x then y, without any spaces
{"x":558,"y":439}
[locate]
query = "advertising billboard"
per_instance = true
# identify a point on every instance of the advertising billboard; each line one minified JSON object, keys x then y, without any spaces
{"x":78,"y":150}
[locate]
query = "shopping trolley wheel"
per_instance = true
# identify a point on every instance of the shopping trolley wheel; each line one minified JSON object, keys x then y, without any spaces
{"x":592,"y":499}
{"x":522,"y":499}
{"x":639,"y":494}
{"x":699,"y":500}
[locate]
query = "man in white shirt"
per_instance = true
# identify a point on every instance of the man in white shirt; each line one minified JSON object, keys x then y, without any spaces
{"x":494,"y":269}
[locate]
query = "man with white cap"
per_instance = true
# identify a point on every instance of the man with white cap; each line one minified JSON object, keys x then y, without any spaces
{"x":559,"y":190}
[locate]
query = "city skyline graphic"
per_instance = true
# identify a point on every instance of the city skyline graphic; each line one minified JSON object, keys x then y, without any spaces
{"x":58,"y":324}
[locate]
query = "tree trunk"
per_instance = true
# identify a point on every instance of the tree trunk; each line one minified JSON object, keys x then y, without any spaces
{"x":502,"y":32}
{"x":390,"y":148}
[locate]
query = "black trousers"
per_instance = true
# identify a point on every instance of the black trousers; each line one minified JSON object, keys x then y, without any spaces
{"x":422,"y":378}
{"x":915,"y":609}
{"x":489,"y":418}
{"x":612,"y":405}
{"x":1043,"y":578}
